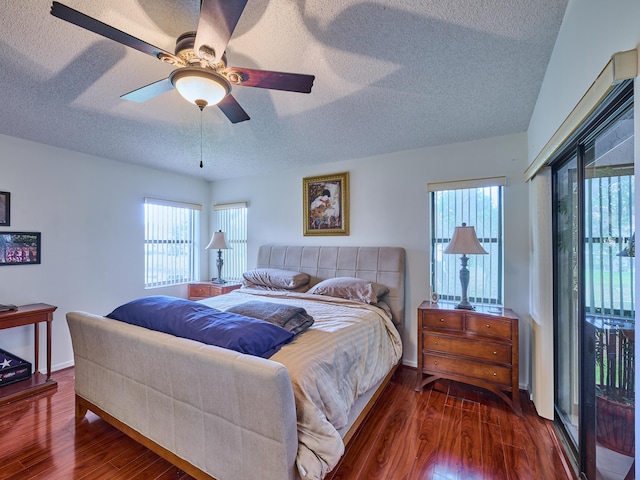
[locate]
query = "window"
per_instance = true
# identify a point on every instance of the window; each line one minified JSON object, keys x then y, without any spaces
{"x":477,"y":203}
{"x":231,"y":218}
{"x":171,"y":245}
{"x":609,"y":220}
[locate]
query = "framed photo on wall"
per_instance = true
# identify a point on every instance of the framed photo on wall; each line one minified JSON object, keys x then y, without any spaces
{"x":326,"y":204}
{"x":19,"y":248}
{"x":5,"y":209}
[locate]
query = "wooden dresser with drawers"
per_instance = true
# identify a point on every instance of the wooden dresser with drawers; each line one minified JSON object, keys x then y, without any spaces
{"x":478,"y":347}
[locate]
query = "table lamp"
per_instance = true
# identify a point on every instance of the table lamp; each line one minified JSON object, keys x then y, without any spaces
{"x":465,"y":242}
{"x":218,"y":242}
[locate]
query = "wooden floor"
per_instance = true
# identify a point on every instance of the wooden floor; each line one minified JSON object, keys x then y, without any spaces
{"x":449,"y":431}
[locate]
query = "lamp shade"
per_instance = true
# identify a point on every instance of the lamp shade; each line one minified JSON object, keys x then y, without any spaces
{"x":465,"y":241}
{"x":218,"y":242}
{"x":199,"y":86}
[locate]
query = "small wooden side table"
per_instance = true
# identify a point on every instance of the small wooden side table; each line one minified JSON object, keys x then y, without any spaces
{"x":27,"y":315}
{"x":202,"y":290}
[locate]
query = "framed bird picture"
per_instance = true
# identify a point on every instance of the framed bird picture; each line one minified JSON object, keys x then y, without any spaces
{"x":326,"y":204}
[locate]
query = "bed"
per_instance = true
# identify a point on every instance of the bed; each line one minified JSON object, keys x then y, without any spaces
{"x":218,"y":413}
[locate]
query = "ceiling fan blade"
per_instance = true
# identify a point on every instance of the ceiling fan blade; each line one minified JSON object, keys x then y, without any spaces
{"x":232,"y":109}
{"x":218,"y":19}
{"x":290,"y":82}
{"x":80,"y":19}
{"x":147,"y":92}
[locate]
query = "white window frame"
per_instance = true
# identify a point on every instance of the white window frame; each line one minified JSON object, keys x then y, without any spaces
{"x":171,"y":226}
{"x":231,"y":218}
{"x":486,"y":285}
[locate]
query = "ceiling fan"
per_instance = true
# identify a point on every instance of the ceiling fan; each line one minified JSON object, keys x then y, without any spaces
{"x":202,"y":76}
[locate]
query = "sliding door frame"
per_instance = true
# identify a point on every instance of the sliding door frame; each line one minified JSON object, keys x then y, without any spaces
{"x":607,"y":112}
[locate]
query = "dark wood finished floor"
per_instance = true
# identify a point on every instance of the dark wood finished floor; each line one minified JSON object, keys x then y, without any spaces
{"x":448,"y":431}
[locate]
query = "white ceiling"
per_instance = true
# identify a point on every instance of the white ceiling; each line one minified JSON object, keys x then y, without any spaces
{"x":391,"y":75}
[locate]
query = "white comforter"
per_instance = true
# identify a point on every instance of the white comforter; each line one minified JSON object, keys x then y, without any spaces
{"x":350,"y":347}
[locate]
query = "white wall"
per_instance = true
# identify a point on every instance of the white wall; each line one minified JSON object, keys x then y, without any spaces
{"x":389,"y":206}
{"x":591,"y":32}
{"x":90,"y":213}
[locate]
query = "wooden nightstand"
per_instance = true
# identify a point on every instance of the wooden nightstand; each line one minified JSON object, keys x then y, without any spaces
{"x":478,"y":347}
{"x":202,"y":290}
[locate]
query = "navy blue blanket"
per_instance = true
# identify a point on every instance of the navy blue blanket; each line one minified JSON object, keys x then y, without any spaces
{"x":196,"y":321}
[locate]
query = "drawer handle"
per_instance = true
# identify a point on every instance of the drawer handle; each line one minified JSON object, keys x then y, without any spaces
{"x":435,"y":342}
{"x":442,"y":319}
{"x":488,"y":326}
{"x":495,"y":374}
{"x":435,"y":363}
{"x":495,"y":353}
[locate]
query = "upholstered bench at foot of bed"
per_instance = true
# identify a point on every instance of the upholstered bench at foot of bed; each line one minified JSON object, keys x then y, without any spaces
{"x":213,"y":412}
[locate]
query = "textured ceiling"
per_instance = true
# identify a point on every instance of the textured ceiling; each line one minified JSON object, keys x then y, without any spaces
{"x":391,"y":75}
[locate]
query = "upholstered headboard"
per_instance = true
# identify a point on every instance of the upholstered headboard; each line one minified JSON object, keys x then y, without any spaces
{"x":385,"y":265}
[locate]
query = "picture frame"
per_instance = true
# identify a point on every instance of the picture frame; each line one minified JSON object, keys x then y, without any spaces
{"x":5,"y":209}
{"x":326,"y":204}
{"x":435,"y":297}
{"x":20,"y":248}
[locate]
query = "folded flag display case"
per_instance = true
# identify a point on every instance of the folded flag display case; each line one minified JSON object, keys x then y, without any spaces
{"x":12,"y":368}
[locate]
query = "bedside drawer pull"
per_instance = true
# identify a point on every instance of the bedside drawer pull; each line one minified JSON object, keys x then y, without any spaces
{"x":495,"y":374}
{"x":495,"y":353}
{"x":435,"y":342}
{"x":442,"y":320}
{"x":435,"y":363}
{"x":488,"y":326}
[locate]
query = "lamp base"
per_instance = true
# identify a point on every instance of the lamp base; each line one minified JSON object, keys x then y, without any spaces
{"x":464,"y":305}
{"x":219,"y":264}
{"x":464,"y":283}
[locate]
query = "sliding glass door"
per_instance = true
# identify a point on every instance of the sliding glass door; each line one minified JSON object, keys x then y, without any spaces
{"x":594,"y":304}
{"x":609,"y":310}
{"x":566,"y":295}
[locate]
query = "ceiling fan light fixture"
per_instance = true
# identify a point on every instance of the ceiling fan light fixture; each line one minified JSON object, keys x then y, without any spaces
{"x":199,"y":86}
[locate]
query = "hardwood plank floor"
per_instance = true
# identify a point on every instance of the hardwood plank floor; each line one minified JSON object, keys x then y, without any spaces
{"x":451,"y":431}
{"x":448,"y":431}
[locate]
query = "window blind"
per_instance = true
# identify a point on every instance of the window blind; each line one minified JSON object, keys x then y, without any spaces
{"x":231,"y":218}
{"x":171,"y":242}
{"x":478,"y":203}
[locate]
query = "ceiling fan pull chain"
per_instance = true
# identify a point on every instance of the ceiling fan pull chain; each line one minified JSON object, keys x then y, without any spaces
{"x":201,"y":137}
